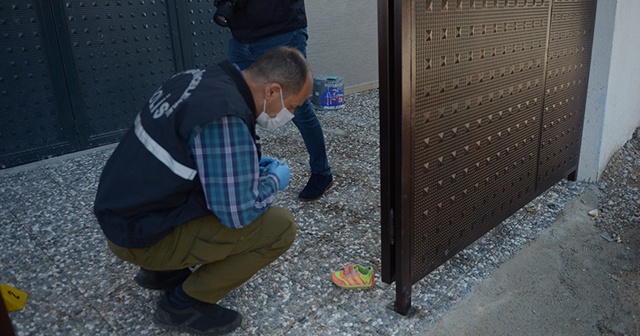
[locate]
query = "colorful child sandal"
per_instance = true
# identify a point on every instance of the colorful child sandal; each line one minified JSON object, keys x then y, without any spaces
{"x":354,"y":277}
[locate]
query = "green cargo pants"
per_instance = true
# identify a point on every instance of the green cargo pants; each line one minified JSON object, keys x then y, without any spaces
{"x":228,"y":257}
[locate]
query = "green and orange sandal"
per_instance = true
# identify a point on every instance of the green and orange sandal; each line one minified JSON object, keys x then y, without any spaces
{"x":354,"y":277}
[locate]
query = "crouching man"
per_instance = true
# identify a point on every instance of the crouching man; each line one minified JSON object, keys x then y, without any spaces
{"x":187,"y":186}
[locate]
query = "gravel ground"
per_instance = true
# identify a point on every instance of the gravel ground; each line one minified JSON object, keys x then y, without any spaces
{"x":51,"y":234}
{"x":619,"y":198}
{"x":619,"y":218}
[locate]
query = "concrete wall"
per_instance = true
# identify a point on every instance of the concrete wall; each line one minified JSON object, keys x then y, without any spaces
{"x":343,"y":41}
{"x":613,"y":102}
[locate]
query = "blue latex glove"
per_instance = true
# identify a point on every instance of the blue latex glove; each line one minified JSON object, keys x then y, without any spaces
{"x":265,"y":161}
{"x":281,"y":171}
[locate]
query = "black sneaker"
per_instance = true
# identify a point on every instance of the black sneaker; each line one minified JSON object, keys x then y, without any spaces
{"x":161,"y":280}
{"x":201,"y":319}
{"x":316,"y":187}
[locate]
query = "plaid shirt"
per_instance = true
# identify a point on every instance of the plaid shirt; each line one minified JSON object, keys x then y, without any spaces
{"x":227,"y":163}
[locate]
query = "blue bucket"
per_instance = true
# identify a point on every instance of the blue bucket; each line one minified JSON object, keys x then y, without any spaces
{"x":328,"y":93}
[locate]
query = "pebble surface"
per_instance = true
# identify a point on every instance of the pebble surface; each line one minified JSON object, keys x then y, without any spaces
{"x":620,"y":191}
{"x":55,"y":251}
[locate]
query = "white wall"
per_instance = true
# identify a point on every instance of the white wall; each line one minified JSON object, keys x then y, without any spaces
{"x":613,"y":103}
{"x":343,"y":40}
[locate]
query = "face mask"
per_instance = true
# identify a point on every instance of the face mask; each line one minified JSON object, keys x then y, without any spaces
{"x":283,"y":117}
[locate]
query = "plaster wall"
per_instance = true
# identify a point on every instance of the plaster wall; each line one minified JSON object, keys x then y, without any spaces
{"x":343,"y":41}
{"x":597,"y":90}
{"x":613,"y":103}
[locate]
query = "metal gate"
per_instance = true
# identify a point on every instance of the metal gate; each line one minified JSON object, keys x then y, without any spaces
{"x":74,"y":73}
{"x":482,"y":105}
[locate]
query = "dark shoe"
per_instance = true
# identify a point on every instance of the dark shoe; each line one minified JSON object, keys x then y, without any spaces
{"x":161,"y":280}
{"x":202,"y":318}
{"x":316,"y":187}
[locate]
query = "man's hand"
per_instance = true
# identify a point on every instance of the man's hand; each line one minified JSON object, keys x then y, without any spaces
{"x":265,"y":161}
{"x":281,"y":171}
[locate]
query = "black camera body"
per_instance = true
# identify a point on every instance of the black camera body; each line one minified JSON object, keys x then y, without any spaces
{"x":226,"y":10}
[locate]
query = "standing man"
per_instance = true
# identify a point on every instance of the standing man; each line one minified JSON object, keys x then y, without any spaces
{"x":257,"y":26}
{"x":187,"y":186}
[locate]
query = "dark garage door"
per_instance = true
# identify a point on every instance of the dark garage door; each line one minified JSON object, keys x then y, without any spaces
{"x":74,"y":73}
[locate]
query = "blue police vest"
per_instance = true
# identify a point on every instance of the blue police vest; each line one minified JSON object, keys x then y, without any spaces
{"x":150,"y":184}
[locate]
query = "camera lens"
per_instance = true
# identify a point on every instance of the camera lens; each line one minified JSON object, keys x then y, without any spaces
{"x":224,"y":14}
{"x":221,"y":20}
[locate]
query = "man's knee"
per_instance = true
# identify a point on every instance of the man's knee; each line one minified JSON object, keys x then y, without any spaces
{"x":281,"y":220}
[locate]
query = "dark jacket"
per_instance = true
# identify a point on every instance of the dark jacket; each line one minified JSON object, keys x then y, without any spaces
{"x":150,"y":183}
{"x":262,"y":18}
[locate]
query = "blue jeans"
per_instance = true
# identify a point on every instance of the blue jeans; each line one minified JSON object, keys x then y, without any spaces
{"x":243,"y":54}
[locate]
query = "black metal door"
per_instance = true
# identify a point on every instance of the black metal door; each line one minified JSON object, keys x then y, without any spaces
{"x":482,"y":106}
{"x":75,"y":73}
{"x":32,"y":86}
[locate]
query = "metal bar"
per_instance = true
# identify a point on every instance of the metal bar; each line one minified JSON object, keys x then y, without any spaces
{"x":404,"y":49}
{"x":387,"y":159}
{"x":62,"y":67}
{"x":544,"y":85}
{"x":179,"y":21}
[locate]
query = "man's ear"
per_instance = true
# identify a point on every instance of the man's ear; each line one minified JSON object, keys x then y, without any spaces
{"x":273,"y":91}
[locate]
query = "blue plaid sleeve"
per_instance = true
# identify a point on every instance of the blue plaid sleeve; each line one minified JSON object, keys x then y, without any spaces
{"x":227,"y":164}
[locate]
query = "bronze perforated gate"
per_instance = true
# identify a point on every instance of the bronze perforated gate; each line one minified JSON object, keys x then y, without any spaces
{"x":482,"y":104}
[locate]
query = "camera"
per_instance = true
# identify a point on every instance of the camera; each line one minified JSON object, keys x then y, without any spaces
{"x":225,"y":11}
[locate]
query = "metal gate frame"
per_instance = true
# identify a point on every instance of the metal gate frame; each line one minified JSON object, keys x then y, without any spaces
{"x":557,"y":113}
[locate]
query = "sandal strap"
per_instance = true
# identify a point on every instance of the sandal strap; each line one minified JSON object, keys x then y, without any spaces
{"x":351,"y":276}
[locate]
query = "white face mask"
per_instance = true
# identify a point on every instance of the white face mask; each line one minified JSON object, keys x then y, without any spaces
{"x":283,"y":117}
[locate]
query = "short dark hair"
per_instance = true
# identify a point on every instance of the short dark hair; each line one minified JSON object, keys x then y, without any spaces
{"x":283,"y":65}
